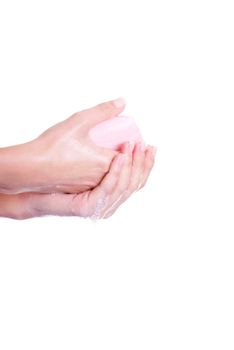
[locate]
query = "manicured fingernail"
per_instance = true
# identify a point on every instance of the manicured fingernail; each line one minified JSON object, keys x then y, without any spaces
{"x":120,"y":160}
{"x":119,"y":102}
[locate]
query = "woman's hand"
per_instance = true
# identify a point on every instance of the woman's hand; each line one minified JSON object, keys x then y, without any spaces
{"x":128,"y":172}
{"x":62,"y":159}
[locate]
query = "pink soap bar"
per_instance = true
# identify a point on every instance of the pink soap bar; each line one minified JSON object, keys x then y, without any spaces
{"x":112,"y":133}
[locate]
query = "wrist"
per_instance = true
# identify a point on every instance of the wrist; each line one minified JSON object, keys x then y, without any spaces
{"x":41,"y":204}
{"x":18,"y":168}
{"x":16,"y":206}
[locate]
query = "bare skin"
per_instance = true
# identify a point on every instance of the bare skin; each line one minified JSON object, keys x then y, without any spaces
{"x":62,"y":172}
{"x":128,"y":173}
{"x":60,"y":159}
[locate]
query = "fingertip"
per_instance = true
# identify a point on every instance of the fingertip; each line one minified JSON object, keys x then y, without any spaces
{"x":119,"y":102}
{"x":128,"y":147}
{"x":147,"y":148}
{"x":151,"y":151}
{"x":103,"y":111}
{"x":139,"y":149}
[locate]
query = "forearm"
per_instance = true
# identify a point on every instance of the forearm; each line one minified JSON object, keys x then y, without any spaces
{"x":18,"y":168}
{"x":28,"y":205}
{"x":15,"y":206}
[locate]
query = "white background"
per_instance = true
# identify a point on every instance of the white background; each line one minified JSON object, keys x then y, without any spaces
{"x":158,"y":274}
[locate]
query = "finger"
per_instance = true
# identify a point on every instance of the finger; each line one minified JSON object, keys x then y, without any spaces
{"x":136,"y":173}
{"x":101,"y":112}
{"x":137,"y":168}
{"x":98,"y":198}
{"x":109,"y":182}
{"x":138,"y":181}
{"x":149,"y":163}
{"x":83,"y":204}
{"x":124,"y":179}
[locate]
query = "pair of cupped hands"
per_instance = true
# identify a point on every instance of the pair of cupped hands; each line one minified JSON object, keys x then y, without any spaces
{"x":62,"y":172}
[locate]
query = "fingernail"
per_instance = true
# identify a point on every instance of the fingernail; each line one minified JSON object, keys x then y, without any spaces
{"x":119,"y":102}
{"x":120,"y":160}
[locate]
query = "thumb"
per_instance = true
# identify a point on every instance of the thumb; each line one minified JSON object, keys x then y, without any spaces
{"x":102,"y":111}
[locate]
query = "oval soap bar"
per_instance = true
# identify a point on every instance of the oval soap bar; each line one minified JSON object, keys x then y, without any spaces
{"x":112,"y":133}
